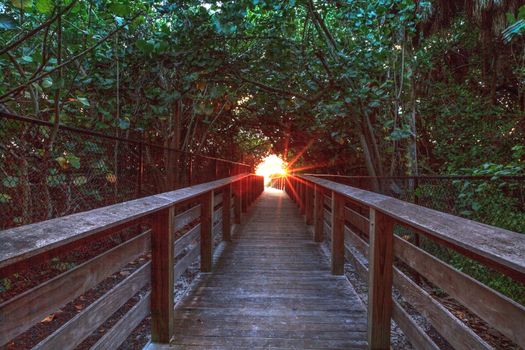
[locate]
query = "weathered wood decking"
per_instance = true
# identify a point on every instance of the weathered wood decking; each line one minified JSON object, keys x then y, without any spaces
{"x":271,"y":288}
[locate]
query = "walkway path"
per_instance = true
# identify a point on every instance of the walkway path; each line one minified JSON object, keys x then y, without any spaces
{"x":271,"y":288}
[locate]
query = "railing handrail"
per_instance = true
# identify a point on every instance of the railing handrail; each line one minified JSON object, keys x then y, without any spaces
{"x":361,"y":225}
{"x":502,"y":249}
{"x":423,"y":177}
{"x":25,"y":242}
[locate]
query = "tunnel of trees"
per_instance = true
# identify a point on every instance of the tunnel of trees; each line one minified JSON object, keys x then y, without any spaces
{"x":383,"y":88}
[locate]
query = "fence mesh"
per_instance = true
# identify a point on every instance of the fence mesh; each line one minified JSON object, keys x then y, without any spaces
{"x":48,"y":172}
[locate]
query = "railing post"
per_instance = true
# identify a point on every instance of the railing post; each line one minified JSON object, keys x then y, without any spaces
{"x":380,"y":258}
{"x":338,"y":227}
{"x":237,"y":202}
{"x":207,"y":205}
{"x":318,"y":214}
{"x":162,"y":255}
{"x":226,"y":213}
{"x":303,"y":197}
{"x":244,"y":202}
{"x":249,"y":191}
{"x":309,"y":203}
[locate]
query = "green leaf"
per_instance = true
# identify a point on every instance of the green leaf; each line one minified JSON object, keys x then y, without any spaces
{"x":27,"y":59}
{"x":119,"y":9}
{"x":5,"y":198}
{"x":73,"y":160}
{"x":7,"y":22}
{"x":44,"y":6}
{"x":10,"y":181}
{"x":84,"y":101}
{"x":22,"y":4}
{"x":399,"y":134}
{"x":144,"y":46}
{"x":56,"y":180}
{"x":80,"y":180}
{"x":47,"y":82}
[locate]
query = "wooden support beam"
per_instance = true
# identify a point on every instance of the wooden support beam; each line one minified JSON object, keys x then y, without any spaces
{"x":309,"y":202}
{"x":318,"y":214}
{"x":237,"y":202}
{"x":302,"y":186}
{"x":244,"y":192}
{"x":162,"y":255}
{"x":226,"y":213}
{"x":338,"y":230}
{"x":207,"y":205}
{"x":380,"y":257}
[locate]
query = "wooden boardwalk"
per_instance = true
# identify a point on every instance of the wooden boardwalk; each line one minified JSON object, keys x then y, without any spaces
{"x":271,"y":288}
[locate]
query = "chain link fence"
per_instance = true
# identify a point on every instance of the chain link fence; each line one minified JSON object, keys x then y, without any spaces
{"x":48,"y":172}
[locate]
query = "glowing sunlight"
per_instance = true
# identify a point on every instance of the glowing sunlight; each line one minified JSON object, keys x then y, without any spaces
{"x":271,"y":167}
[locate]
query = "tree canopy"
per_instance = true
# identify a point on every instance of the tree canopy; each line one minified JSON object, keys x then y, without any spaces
{"x":390,"y":87}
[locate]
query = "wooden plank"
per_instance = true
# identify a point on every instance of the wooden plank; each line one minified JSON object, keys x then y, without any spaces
{"x":74,"y":331}
{"x":187,"y":217}
{"x":302,"y":197}
{"x":162,"y":255}
{"x":237,"y":202}
{"x":113,"y":338}
{"x":500,"y":312}
{"x":206,"y":232}
{"x":318,"y":215}
{"x":459,"y":335}
{"x":21,"y":312}
{"x":356,"y":241}
{"x":417,"y":336}
{"x":338,"y":243}
{"x":218,"y":199}
{"x":498,"y":248}
{"x":244,"y":195}
{"x":309,"y":204}
{"x":28,"y":241}
{"x":188,"y":259}
{"x":359,"y":221}
{"x":184,"y":241}
{"x":328,"y":216}
{"x":217,"y":216}
{"x":327,"y":200}
{"x":380,"y":280}
{"x":216,"y":231}
{"x":226,"y":214}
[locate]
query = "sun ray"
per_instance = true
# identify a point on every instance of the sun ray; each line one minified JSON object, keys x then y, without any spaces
{"x":300,"y":154}
{"x":271,"y":167}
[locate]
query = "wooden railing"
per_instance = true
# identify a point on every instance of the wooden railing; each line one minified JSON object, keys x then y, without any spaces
{"x":360,"y":226}
{"x":201,"y":211}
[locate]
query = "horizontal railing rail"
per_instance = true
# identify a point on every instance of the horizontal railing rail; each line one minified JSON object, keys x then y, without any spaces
{"x":359,"y":226}
{"x":196,"y":215}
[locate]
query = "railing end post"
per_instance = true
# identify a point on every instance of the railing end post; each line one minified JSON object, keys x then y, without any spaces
{"x":162,"y":284}
{"x":380,"y":275}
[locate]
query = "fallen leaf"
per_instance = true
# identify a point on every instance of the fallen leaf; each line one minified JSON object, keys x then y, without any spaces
{"x":49,"y":318}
